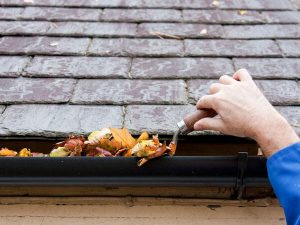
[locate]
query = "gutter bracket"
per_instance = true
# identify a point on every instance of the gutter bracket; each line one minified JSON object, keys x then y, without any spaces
{"x":242,"y":160}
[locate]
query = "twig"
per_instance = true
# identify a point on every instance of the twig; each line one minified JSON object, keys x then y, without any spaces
{"x":164,"y":35}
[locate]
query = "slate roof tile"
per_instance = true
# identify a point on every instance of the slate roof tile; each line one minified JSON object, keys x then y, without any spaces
{"x":2,"y":108}
{"x":155,"y":118}
{"x":94,"y":29}
{"x":130,"y":92}
{"x":181,"y":30}
{"x":141,"y":15}
{"x":10,"y":13}
{"x":262,"y":31}
{"x":40,"y":90}
{"x":12,"y":66}
{"x":166,"y":68}
{"x":280,"y":92}
{"x":222,"y":16}
{"x":43,"y":45}
{"x":264,"y":68}
{"x":291,"y":113}
{"x":75,"y":66}
{"x":79,"y":67}
{"x":136,"y":47}
{"x":231,"y":48}
{"x":281,"y":17}
{"x":60,"y":14}
{"x":24,"y":27}
{"x":59,"y":120}
{"x":199,"y":4}
{"x":290,"y":48}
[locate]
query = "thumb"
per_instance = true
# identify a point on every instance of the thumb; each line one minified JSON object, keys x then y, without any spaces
{"x":207,"y":123}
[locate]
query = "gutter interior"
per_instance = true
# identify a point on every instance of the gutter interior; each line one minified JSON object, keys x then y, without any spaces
{"x":187,"y":145}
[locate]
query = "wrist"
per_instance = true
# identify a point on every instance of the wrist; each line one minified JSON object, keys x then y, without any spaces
{"x":275,"y":136}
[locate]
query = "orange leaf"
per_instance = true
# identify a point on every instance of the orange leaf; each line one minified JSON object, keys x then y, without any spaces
{"x":172,"y":147}
{"x":24,"y":152}
{"x":106,"y":144}
{"x":124,"y":137}
{"x":128,"y":153}
{"x":143,"y":136}
{"x":155,"y":139}
{"x":7,"y":152}
{"x":115,"y":144}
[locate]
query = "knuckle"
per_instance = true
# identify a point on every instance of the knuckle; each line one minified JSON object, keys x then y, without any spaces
{"x":214,"y":88}
{"x":202,"y":101}
{"x":223,"y":77}
{"x":198,"y":103}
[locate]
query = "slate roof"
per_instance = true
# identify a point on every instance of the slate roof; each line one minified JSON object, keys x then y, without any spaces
{"x":79,"y":65}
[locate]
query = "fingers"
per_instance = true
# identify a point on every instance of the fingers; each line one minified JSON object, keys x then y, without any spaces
{"x":223,"y":80}
{"x":214,"y":88}
{"x":215,"y":124}
{"x":242,"y":75}
{"x":226,"y":80}
{"x":206,"y":102}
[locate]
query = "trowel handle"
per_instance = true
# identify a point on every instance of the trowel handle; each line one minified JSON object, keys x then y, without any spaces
{"x":191,"y":119}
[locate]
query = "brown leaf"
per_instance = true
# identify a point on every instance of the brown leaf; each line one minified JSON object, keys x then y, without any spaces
{"x":128,"y":153}
{"x":121,"y":152}
{"x":142,"y":161}
{"x":172,"y":147}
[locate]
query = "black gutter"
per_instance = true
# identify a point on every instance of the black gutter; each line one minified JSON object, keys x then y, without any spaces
{"x":222,"y":171}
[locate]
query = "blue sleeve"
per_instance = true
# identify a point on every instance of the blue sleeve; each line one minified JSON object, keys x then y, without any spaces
{"x":284,"y":174}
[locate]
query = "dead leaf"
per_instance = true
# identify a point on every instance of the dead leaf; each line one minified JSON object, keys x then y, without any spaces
{"x":172,"y":147}
{"x":95,"y":136}
{"x":7,"y":152}
{"x":107,"y":142}
{"x":115,"y":144}
{"x":215,"y":3}
{"x":242,"y":12}
{"x":159,"y":152}
{"x":74,"y":144}
{"x":24,"y":152}
{"x":59,"y":152}
{"x":103,"y":152}
{"x":144,"y":148}
{"x":203,"y":31}
{"x":143,"y":136}
{"x":37,"y":154}
{"x":124,"y":137}
{"x":53,"y":44}
{"x":128,"y":153}
{"x":121,"y":152}
{"x":155,"y":139}
{"x":142,"y":161}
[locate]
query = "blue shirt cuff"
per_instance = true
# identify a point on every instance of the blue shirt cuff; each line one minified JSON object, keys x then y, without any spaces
{"x":283,"y":153}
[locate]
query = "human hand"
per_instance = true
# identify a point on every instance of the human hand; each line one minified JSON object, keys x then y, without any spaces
{"x":244,"y":111}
